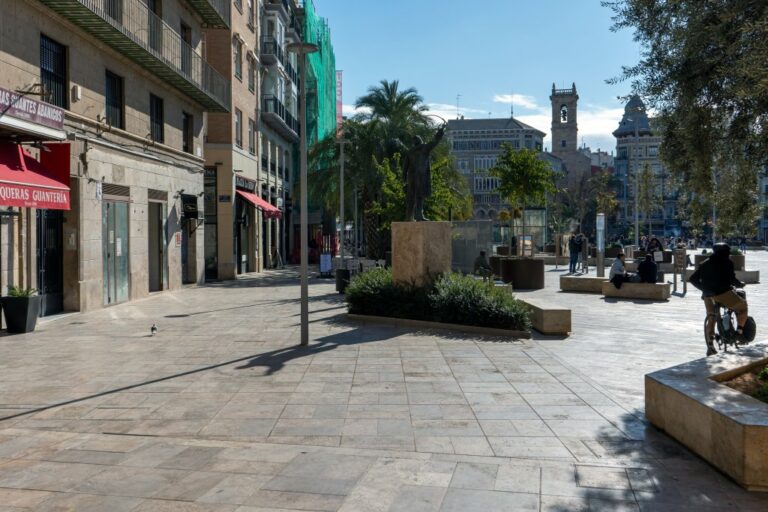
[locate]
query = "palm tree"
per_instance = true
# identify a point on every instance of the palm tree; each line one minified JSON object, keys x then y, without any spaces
{"x":386,"y":102}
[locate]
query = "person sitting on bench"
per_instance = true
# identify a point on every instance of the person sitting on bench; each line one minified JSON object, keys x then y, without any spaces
{"x":619,"y":274}
{"x":482,"y":268}
{"x":648,"y":270}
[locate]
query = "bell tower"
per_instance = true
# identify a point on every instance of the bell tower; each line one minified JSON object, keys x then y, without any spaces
{"x":565,"y":131}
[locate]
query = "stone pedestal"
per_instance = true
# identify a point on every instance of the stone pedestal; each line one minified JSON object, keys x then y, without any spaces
{"x":420,"y":250}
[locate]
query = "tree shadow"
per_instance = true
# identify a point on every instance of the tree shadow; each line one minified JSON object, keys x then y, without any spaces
{"x":275,"y":360}
{"x":650,"y":470}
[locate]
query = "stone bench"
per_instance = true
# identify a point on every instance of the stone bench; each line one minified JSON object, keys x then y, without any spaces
{"x":649,"y":291}
{"x":746,"y":276}
{"x":584,"y":284}
{"x":548,"y":318}
{"x":725,"y":427}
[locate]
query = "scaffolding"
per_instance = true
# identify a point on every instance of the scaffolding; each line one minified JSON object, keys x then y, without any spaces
{"x":321,"y":77}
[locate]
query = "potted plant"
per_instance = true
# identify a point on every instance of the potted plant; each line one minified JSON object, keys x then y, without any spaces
{"x":698,"y":259}
{"x":613,"y":250}
{"x":524,"y":179}
{"x":738,"y":259}
{"x":21,"y":307}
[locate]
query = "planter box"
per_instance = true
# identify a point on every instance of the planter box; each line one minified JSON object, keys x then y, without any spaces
{"x":727,"y":428}
{"x":647,"y":291}
{"x":502,"y":250}
{"x":739,"y":261}
{"x":583,"y":284}
{"x":423,"y":324}
{"x":495,"y":262}
{"x":21,"y":313}
{"x":524,"y":273}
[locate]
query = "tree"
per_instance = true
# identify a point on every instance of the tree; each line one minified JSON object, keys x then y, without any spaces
{"x":704,"y":69}
{"x":647,"y":198}
{"x":603,"y":186}
{"x":736,"y":202}
{"x":524,"y":179}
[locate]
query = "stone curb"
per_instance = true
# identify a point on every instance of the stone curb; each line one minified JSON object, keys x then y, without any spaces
{"x":473,"y":329}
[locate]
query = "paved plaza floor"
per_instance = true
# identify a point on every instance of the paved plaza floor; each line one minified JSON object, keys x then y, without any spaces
{"x":222,"y":411}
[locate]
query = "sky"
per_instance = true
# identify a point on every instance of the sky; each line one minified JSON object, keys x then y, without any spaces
{"x":496,"y":54}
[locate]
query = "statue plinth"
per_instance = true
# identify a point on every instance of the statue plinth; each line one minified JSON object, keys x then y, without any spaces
{"x":420,"y":250}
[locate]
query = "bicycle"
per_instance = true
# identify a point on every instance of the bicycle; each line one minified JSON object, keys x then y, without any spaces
{"x":725,"y":334}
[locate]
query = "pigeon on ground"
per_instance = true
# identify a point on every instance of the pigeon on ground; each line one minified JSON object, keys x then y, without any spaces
{"x":153,"y":330}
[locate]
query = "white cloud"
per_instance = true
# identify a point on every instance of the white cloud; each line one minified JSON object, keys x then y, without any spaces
{"x":350,"y":110}
{"x":518,"y":100}
{"x":446,"y":111}
{"x":596,"y":125}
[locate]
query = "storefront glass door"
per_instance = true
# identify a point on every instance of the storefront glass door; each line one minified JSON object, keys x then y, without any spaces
{"x":115,"y":251}
{"x":50,"y":271}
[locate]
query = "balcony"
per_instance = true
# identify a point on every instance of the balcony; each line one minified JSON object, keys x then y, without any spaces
{"x":280,"y":6}
{"x":215,"y":13}
{"x":277,"y":116}
{"x":295,"y":30}
{"x":271,"y":52}
{"x":292,"y":73}
{"x":132,"y":30}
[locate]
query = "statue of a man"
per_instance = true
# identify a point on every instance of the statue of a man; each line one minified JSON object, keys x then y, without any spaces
{"x":416,"y":171}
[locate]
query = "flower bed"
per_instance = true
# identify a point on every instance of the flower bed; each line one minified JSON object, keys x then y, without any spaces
{"x":451,"y":298}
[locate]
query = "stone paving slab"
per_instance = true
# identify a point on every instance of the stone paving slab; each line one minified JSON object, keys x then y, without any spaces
{"x":221,"y":411}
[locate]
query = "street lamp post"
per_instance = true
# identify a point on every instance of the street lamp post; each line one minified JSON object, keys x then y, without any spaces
{"x":637,"y":164}
{"x":302,"y":49}
{"x":342,"y":143}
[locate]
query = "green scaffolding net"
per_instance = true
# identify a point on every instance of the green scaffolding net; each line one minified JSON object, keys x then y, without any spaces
{"x":321,"y":77}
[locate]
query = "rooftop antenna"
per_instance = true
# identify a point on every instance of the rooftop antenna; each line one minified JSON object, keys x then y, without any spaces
{"x":512,"y":104}
{"x":489,"y":115}
{"x":458,"y":110}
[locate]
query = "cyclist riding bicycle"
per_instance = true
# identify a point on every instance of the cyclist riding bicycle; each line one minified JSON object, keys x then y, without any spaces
{"x":716,"y":278}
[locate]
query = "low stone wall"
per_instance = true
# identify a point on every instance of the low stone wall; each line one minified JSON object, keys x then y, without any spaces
{"x":746,"y":276}
{"x":648,"y":291}
{"x":583,"y":284}
{"x":727,"y":428}
{"x":549,"y":318}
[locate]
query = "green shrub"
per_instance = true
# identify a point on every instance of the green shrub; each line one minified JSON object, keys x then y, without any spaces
{"x":452,"y":298}
{"x":763,"y":375}
{"x":15,"y":291}
{"x":374,"y":293}
{"x":762,"y":393}
{"x":464,"y":300}
{"x":735,"y":251}
{"x":616,"y":245}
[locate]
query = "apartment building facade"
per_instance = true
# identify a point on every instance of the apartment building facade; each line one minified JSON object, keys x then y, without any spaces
{"x":476,"y":145}
{"x":637,"y":148}
{"x":103,"y":128}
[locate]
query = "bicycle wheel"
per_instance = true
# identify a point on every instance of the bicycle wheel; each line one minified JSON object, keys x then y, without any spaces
{"x":725,"y":330}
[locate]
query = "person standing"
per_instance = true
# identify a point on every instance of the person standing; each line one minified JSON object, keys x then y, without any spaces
{"x":573,"y":253}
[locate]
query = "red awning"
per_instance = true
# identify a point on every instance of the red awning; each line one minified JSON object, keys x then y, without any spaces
{"x":25,"y":183}
{"x":269,"y":211}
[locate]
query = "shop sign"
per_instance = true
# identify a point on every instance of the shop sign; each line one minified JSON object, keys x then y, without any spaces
{"x":25,"y":196}
{"x":17,"y":105}
{"x":245,"y":184}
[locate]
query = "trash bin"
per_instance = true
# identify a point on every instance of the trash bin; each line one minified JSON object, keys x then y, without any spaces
{"x":342,"y":279}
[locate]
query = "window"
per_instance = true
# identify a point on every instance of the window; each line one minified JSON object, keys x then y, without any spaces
{"x":156,"y":119}
{"x":187,"y":132}
{"x":250,"y":15}
{"x":251,"y":74}
{"x":155,"y":24}
{"x":251,"y":136}
{"x":53,"y":71}
{"x":562,"y":143}
{"x":113,"y":96}
{"x":238,"y":54}
{"x":653,"y":151}
{"x":186,"y":49}
{"x":563,"y":114}
{"x":238,"y":128}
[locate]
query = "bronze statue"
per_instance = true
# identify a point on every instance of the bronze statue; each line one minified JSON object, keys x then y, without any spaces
{"x":416,"y":172}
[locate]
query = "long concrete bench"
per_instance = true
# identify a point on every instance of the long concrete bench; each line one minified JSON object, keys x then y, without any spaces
{"x":548,"y":318}
{"x":746,"y":276}
{"x":584,"y":284}
{"x":658,"y":291}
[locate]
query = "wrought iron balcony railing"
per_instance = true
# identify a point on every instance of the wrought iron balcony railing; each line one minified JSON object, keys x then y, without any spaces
{"x":215,"y":13}
{"x":271,"y":51}
{"x":132,"y":29}
{"x":277,"y":115}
